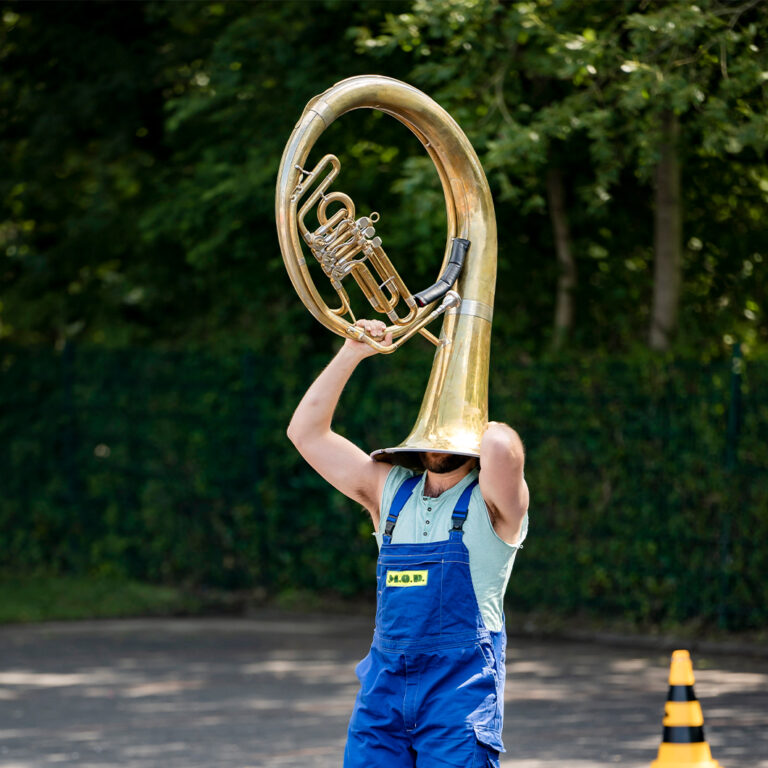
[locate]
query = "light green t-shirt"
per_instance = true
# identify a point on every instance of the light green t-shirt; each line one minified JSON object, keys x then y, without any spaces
{"x":426,"y":519}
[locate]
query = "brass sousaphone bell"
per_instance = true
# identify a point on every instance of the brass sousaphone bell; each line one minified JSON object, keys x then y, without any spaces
{"x":454,"y":412}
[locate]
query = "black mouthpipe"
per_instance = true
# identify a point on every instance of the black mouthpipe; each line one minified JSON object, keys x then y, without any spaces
{"x":448,"y":278}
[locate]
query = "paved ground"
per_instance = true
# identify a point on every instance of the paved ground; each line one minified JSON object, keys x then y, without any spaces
{"x":274,"y":691}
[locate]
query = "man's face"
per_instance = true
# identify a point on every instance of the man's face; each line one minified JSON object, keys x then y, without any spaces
{"x":440,"y":463}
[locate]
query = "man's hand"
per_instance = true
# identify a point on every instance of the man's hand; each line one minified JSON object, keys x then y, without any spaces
{"x":376,"y":330}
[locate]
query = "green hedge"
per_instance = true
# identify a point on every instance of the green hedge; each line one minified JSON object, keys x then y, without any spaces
{"x":173,"y":467}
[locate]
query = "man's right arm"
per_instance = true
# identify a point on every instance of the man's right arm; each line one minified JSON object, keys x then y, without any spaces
{"x":345,"y":466}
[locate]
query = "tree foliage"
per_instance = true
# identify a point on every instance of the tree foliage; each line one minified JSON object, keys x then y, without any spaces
{"x":582,"y":87}
{"x":153,"y":347}
{"x":139,"y":145}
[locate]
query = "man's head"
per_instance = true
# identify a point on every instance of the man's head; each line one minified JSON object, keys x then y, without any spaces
{"x":441,"y":463}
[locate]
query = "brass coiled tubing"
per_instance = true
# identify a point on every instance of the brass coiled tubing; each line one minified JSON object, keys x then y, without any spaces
{"x":454,"y":410}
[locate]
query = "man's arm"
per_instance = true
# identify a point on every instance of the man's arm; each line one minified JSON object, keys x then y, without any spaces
{"x":502,"y":484}
{"x":346,"y":467}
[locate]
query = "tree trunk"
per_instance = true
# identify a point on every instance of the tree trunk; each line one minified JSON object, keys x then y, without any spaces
{"x":566,"y":281}
{"x":668,"y":229}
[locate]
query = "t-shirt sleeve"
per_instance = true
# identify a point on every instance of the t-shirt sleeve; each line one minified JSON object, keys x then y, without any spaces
{"x":486,"y":517}
{"x":394,"y":480}
{"x":523,"y":532}
{"x":523,"y":528}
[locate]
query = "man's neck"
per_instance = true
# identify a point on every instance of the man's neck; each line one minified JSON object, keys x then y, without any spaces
{"x":435,"y":483}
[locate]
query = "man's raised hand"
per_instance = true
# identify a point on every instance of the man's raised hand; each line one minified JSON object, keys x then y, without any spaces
{"x":376,"y":330}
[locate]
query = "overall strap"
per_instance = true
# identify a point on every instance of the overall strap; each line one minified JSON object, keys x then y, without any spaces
{"x":462,"y":507}
{"x":403,"y":494}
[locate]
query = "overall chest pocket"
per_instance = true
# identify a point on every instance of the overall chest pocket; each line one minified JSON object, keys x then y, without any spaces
{"x":409,"y":597}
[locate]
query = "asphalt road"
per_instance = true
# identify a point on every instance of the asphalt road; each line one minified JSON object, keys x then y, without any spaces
{"x":276,"y":691}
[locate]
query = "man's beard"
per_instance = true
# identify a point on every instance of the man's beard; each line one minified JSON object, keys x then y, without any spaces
{"x":442,"y":463}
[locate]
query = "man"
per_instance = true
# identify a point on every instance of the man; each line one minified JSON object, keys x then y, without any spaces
{"x":432,"y":684}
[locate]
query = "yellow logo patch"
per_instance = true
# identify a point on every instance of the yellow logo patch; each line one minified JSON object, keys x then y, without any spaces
{"x":407,"y":578}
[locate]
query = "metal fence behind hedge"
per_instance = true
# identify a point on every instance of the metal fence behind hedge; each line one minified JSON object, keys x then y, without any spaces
{"x":649,"y":479}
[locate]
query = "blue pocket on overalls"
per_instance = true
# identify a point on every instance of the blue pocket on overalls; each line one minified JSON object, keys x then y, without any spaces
{"x":487,"y":722}
{"x":407,"y":609}
{"x":489,"y":745}
{"x":362,"y":667}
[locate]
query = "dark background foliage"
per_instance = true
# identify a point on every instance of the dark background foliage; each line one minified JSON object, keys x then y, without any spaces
{"x":152,"y":347}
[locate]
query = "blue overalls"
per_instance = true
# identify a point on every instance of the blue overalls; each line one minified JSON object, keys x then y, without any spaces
{"x":432,"y":685}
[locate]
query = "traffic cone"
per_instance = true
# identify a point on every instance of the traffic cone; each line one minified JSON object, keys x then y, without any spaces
{"x":683,"y":744}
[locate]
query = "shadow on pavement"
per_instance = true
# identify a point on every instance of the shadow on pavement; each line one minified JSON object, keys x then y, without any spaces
{"x":277,"y":690}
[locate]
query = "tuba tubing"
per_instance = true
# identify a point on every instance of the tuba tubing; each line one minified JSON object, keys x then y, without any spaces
{"x":454,"y":410}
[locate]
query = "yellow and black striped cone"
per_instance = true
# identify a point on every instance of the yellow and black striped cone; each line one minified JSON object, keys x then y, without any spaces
{"x":683,"y":744}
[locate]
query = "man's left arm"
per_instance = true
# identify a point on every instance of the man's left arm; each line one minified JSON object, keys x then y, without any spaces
{"x":502,"y":460}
